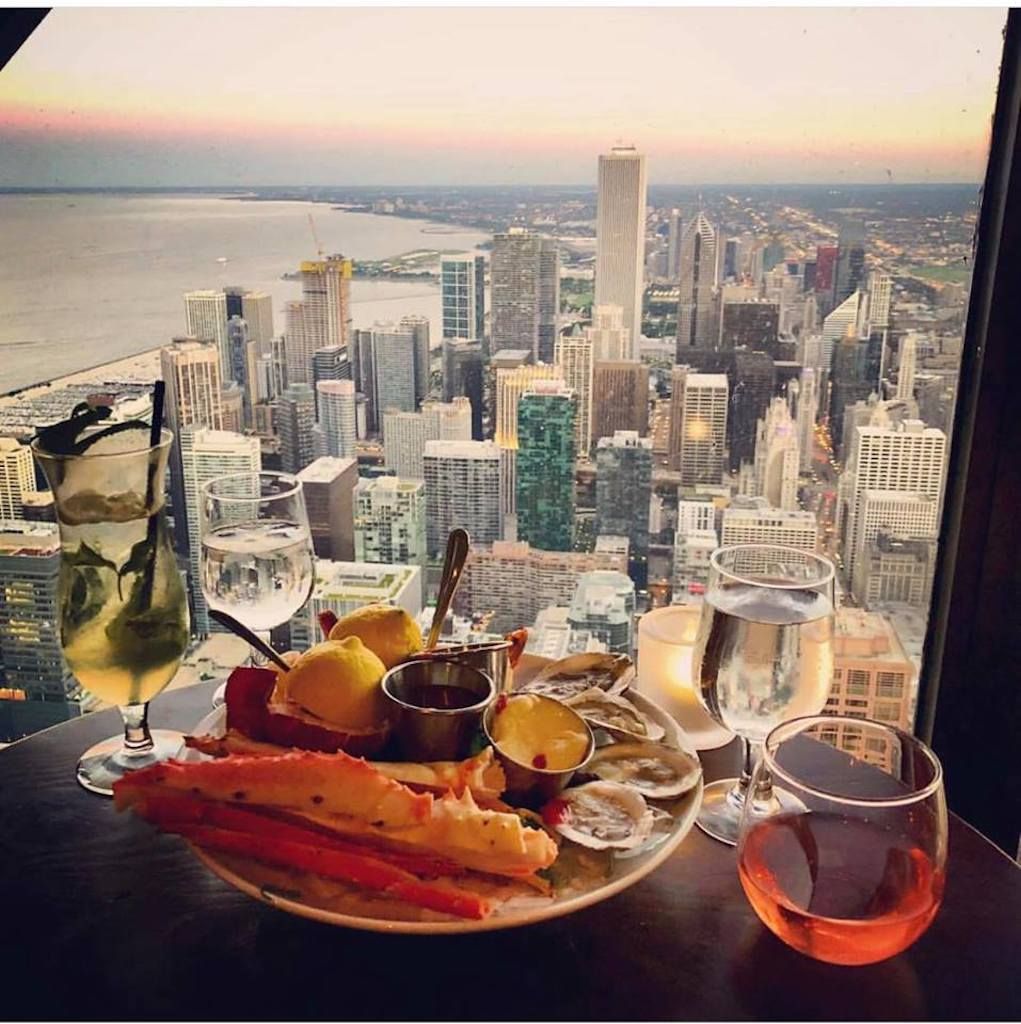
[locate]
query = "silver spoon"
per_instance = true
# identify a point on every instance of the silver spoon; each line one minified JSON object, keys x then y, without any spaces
{"x":453,"y":568}
{"x":253,"y":638}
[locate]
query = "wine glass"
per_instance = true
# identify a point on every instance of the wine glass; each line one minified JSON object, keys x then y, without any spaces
{"x":122,"y":605}
{"x":763,"y":654}
{"x":257,"y":560}
{"x":855,"y":872}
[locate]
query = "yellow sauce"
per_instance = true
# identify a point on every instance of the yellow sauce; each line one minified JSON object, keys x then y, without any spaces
{"x":539,"y":733}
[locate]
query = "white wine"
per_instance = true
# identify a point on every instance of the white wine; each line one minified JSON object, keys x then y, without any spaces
{"x":763,"y":655}
{"x":260,"y":572}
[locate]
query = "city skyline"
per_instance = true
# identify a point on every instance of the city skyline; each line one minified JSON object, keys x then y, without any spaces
{"x":97,"y":97}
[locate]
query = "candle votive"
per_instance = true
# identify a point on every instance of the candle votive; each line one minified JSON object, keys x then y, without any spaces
{"x":666,"y":643}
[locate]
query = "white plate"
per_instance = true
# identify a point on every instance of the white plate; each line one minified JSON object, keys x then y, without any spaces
{"x":298,"y":894}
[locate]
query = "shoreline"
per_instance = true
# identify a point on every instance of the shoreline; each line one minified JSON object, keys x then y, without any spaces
{"x":140,"y":366}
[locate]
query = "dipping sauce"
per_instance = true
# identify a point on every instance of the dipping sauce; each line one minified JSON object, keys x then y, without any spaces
{"x":439,"y":696}
{"x":539,"y":732}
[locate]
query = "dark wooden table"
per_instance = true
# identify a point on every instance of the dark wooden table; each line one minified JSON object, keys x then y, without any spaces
{"x":102,"y":917}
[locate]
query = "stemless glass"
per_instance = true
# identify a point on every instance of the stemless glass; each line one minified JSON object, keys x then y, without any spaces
{"x":123,"y":609}
{"x":854,"y":872}
{"x":257,"y":561}
{"x":763,"y":654}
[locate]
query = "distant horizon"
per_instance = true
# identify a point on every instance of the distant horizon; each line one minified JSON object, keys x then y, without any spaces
{"x":205,"y":187}
{"x":173,"y":95}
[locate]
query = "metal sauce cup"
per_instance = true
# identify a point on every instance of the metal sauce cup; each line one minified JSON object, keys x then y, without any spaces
{"x":526,"y":783}
{"x":427,"y":733}
{"x":491,"y":658}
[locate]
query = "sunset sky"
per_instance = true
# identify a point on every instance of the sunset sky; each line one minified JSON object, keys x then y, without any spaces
{"x":475,"y":95}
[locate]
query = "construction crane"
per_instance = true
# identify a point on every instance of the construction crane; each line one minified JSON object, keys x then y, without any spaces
{"x":315,"y":237}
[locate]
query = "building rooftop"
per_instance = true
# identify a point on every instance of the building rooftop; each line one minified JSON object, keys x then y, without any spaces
{"x":706,"y":380}
{"x":365,"y":581}
{"x":462,"y":449}
{"x":325,"y":469}
{"x":860,"y":634}
{"x":18,"y":537}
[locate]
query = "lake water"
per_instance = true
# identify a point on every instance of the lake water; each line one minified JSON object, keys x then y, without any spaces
{"x":86,"y":279}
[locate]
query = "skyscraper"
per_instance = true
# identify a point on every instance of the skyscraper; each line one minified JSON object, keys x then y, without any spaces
{"x":462,"y":488}
{"x":703,"y":430}
{"x":753,"y":384}
{"x":419,"y":328}
{"x":205,"y":313}
{"x":16,"y":477}
{"x":777,"y":457}
{"x":604,"y":606}
{"x":675,"y":232}
{"x":750,"y":323}
{"x":910,"y":457}
{"x":463,"y":296}
{"x":257,"y":312}
{"x":807,"y":413}
{"x":515,"y":581}
{"x":574,"y":356}
{"x":620,"y":234}
{"x":386,"y":370}
{"x":205,"y":455}
{"x":849,"y":272}
{"x":405,"y":434}
{"x":242,"y":351}
{"x":295,"y":417}
{"x":623,"y":491}
{"x":752,"y":521}
{"x":907,"y":365}
{"x":697,"y":281}
{"x":620,"y":398}
{"x":30,"y":650}
{"x":329,"y":487}
{"x":545,"y":466}
{"x":337,"y":416}
{"x":525,"y":283}
{"x":464,"y":375}
{"x":390,"y":521}
{"x":854,"y":375}
{"x":191,"y":371}
{"x":610,"y":338}
{"x":323,"y":316}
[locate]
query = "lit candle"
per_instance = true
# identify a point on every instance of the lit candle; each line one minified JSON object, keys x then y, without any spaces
{"x":666,"y":642}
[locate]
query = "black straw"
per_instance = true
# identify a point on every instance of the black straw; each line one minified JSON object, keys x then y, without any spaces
{"x":155,"y":434}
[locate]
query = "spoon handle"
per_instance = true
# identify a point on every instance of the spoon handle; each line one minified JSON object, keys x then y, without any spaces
{"x":453,"y":567}
{"x":256,"y":641}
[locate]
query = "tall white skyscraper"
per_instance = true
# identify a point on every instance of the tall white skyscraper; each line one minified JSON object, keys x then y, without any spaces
{"x":205,"y":314}
{"x":610,"y":338}
{"x":462,"y":486}
{"x":463,"y":296}
{"x":702,"y":434}
{"x":909,"y":457}
{"x":696,"y":283}
{"x":575,"y":359}
{"x":390,"y":521}
{"x":337,"y":418}
{"x":880,"y":288}
{"x":321,"y":319}
{"x":777,"y":461}
{"x":419,"y":328}
{"x":807,"y":411}
{"x":906,"y":368}
{"x":16,"y":476}
{"x":905,"y":515}
{"x":257,"y":311}
{"x":620,"y":235}
{"x":205,"y":455}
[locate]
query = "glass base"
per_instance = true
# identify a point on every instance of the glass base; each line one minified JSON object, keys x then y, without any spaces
{"x":102,"y":765}
{"x":720,"y":814}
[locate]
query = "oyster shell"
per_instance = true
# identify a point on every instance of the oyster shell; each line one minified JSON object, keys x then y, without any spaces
{"x":573,"y":675}
{"x":604,"y":815}
{"x":617,"y":716}
{"x":655,"y":771}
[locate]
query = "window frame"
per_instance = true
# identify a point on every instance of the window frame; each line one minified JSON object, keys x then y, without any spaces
{"x":969,"y":700}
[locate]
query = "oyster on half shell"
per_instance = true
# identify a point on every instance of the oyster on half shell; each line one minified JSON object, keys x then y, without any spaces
{"x":617,"y":716}
{"x":604,"y":815}
{"x":573,"y":675}
{"x":655,"y":771}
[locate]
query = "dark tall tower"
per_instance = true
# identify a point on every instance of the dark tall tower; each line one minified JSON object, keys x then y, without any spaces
{"x":752,"y":383}
{"x":849,"y":273}
{"x":464,"y":374}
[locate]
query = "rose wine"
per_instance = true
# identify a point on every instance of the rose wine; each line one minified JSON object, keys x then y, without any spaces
{"x":839,"y":889}
{"x":763,"y":656}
